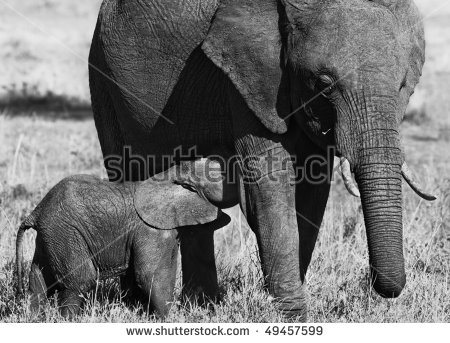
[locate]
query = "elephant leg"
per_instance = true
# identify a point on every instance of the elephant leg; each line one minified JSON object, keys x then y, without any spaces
{"x":130,"y":291}
{"x":270,"y":211}
{"x":76,"y":272}
{"x":38,"y":287}
{"x":155,"y":268}
{"x":134,"y":295}
{"x":268,"y":201}
{"x":42,"y":283}
{"x":267,"y":179}
{"x":163,"y":286}
{"x":199,"y":266}
{"x":70,"y":302}
{"x":315,"y":168}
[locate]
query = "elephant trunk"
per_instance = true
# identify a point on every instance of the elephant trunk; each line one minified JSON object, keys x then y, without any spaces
{"x":379,"y":177}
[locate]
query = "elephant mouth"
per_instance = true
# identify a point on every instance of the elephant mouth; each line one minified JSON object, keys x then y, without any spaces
{"x":408,"y":176}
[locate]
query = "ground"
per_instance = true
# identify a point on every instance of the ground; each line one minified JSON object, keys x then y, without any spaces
{"x":47,"y":132}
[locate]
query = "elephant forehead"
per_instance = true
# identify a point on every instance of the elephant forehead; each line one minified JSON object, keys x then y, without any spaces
{"x":361,"y":28}
{"x":351,"y":40}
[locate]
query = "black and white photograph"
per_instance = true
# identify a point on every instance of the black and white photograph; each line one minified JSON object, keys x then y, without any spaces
{"x":224,"y":161}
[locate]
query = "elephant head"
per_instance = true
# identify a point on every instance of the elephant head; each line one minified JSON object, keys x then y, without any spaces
{"x":343,"y":72}
{"x":208,"y":178}
{"x":165,"y":205}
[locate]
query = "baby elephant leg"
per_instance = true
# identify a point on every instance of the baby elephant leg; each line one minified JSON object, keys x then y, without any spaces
{"x":70,"y":302}
{"x":38,"y":288}
{"x":77,"y":274}
{"x":128,"y":287}
{"x":155,"y":270}
{"x":42,"y":283}
{"x":80,"y":278}
{"x":163,"y":285}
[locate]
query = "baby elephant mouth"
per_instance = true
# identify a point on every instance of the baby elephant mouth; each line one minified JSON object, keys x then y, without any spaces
{"x":208,"y":178}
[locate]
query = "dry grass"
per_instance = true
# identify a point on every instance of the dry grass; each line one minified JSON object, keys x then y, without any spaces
{"x":31,"y":163}
{"x":37,"y":150}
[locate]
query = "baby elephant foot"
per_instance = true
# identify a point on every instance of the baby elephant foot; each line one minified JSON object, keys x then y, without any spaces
{"x":70,"y":303}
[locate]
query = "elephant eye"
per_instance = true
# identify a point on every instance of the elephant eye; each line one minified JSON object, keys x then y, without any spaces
{"x":403,"y":84}
{"x":325,"y":85}
{"x":189,"y":187}
{"x":185,"y":186}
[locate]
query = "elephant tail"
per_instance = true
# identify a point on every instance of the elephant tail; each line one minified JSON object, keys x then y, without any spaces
{"x":28,"y":223}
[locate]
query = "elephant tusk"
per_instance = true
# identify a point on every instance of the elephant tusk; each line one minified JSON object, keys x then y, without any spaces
{"x":347,"y":177}
{"x":416,"y":187}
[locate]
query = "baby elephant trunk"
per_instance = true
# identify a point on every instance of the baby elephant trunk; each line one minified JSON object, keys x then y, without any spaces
{"x":212,"y":179}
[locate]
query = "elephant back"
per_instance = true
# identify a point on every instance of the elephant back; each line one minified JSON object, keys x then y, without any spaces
{"x":152,"y":39}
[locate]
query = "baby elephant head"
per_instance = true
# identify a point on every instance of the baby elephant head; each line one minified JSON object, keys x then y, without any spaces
{"x":209,"y":179}
{"x":186,"y":195}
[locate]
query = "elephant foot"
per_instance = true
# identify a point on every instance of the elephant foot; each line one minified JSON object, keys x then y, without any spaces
{"x":294,"y":314}
{"x":293,"y":309}
{"x":203,"y":292}
{"x":70,"y":303}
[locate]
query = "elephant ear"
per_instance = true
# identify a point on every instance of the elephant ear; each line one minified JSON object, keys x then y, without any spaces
{"x":411,"y":25}
{"x":244,"y":41}
{"x":164,"y":205}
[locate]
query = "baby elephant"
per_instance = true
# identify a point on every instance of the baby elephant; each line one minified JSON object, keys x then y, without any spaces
{"x":89,"y":229}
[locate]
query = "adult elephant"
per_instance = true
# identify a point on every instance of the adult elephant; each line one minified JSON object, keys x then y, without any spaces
{"x":277,"y":82}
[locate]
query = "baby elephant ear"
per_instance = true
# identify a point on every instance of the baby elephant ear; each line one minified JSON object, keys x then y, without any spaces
{"x":167,"y":206}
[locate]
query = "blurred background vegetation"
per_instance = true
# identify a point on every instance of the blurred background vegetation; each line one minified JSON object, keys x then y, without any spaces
{"x":45,"y":46}
{"x":44,"y":51}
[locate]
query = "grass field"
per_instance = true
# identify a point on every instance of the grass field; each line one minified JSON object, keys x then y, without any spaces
{"x":46,"y":133}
